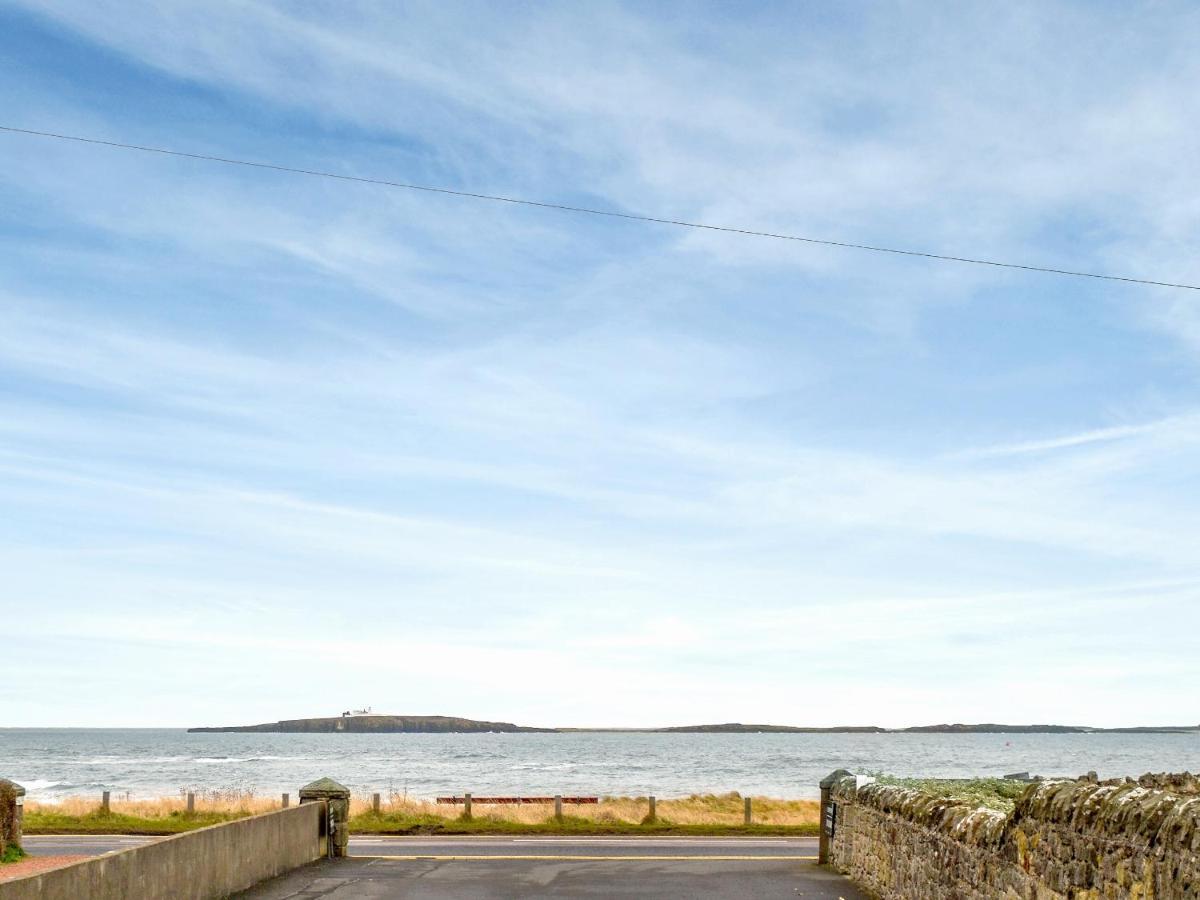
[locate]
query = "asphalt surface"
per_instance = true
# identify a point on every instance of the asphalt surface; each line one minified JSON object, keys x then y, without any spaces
{"x":481,"y":868}
{"x":411,"y":847}
{"x":79,"y":844}
{"x":486,"y":868}
{"x":590,"y":847}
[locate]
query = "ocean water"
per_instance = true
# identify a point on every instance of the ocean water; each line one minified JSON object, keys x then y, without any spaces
{"x":163,"y":762}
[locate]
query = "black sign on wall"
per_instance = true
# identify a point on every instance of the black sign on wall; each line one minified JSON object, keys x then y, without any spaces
{"x":830,"y":818}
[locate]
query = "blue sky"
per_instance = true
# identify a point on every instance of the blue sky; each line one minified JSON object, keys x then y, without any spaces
{"x":272,"y":445}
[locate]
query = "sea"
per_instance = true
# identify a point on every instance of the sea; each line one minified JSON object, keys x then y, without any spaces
{"x":144,"y":763}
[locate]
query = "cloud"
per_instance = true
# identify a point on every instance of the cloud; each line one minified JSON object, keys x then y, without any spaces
{"x":691,"y":468}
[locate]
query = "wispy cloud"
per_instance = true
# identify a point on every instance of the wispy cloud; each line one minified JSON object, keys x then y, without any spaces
{"x":1176,"y":424}
{"x":236,"y":407}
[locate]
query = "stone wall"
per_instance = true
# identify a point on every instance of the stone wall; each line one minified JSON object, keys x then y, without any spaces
{"x":199,"y":865}
{"x":10,"y":815}
{"x":1065,"y":839}
{"x":1184,"y":783}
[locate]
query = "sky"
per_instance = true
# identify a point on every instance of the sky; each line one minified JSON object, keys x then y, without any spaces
{"x":273,"y":446}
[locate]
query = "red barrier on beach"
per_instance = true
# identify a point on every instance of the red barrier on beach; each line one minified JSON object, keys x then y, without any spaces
{"x":486,"y":800}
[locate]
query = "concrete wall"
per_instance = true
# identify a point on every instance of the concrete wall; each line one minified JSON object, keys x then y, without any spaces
{"x":1065,"y":839}
{"x":205,"y":864}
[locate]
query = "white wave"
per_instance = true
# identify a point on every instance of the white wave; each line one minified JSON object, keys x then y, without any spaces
{"x":541,"y":767}
{"x":283,"y":758}
{"x":40,"y":784}
{"x":217,"y":760}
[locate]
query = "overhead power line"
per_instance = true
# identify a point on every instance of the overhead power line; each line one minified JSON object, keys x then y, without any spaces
{"x":637,"y":217}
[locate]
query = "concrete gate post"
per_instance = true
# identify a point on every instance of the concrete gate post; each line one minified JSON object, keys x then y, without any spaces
{"x":828,"y":814}
{"x":12,"y":801}
{"x":337,"y":799}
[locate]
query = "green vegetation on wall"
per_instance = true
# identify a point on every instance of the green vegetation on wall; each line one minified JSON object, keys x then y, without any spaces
{"x":993,"y":793}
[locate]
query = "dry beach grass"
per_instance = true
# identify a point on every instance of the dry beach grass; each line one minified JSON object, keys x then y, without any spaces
{"x":206,"y":802}
{"x":698,"y":809}
{"x":699,"y":813}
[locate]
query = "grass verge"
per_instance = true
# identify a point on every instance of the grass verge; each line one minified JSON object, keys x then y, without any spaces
{"x":700,"y":814}
{"x":46,"y":821}
{"x":12,"y":853}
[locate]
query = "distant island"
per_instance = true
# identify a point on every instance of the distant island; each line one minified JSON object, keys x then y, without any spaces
{"x":739,"y":728}
{"x":985,"y":728}
{"x":363,"y":723}
{"x":369,"y":723}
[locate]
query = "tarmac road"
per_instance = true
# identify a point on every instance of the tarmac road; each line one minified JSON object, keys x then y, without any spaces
{"x":79,"y":844}
{"x":482,"y":868}
{"x":587,"y":847}
{"x":802,"y":849}
{"x":509,"y":868}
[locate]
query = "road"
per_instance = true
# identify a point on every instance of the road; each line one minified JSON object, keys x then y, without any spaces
{"x":483,"y":868}
{"x":613,"y":848}
{"x":796,"y":849}
{"x":79,"y":844}
{"x":512,"y":868}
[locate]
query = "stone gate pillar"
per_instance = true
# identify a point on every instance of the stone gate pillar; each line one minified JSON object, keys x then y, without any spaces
{"x":828,"y":813}
{"x":337,"y":798}
{"x":12,"y":799}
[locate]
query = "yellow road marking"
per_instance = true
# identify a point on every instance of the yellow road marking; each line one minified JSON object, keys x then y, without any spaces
{"x":579,"y":857}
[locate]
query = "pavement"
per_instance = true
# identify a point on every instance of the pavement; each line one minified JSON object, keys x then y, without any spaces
{"x":482,"y":868}
{"x":35,"y":865}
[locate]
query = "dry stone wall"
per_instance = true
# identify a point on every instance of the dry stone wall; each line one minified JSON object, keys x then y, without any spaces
{"x":10,"y":815}
{"x":1065,"y":839}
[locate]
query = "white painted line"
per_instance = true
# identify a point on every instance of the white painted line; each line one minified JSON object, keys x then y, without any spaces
{"x":602,"y":842}
{"x":650,"y":842}
{"x":88,"y":837}
{"x":589,"y":858}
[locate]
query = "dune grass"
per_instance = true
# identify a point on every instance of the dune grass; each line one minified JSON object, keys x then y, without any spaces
{"x":707,"y":814}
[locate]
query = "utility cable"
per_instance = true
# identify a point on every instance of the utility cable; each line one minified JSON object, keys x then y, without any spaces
{"x":601,"y":212}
